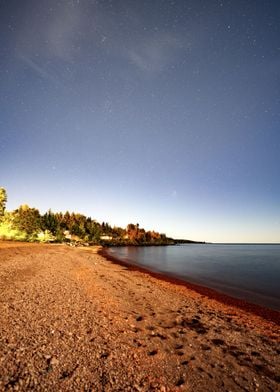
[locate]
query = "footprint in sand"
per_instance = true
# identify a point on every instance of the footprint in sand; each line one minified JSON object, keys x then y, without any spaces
{"x":137,"y":343}
{"x":218,"y":342}
{"x":153,"y":352}
{"x":161,"y":336}
{"x":150,"y":327}
{"x":180,"y":382}
{"x":256,"y":354}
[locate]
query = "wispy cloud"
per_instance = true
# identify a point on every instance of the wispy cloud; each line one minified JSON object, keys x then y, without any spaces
{"x":37,"y":68}
{"x":56,"y":36}
{"x":75,"y":28}
{"x":47,"y":47}
{"x":155,"y":53}
{"x":63,"y":32}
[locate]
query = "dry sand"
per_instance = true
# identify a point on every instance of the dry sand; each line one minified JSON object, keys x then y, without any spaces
{"x":71,"y":320}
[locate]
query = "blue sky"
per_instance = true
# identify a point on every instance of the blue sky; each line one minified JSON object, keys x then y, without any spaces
{"x":164,"y":113}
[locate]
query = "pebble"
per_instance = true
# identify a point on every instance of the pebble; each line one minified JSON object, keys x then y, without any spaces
{"x":54,"y":361}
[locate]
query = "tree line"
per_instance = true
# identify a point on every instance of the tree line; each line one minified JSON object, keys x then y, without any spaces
{"x":28,"y":224}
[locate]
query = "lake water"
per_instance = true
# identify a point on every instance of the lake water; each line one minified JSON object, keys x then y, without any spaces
{"x":250,"y":272}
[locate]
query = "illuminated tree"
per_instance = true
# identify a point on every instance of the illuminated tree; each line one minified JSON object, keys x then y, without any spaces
{"x":27,"y":219}
{"x":3,"y":201}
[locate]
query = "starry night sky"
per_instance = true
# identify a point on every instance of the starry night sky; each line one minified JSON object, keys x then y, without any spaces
{"x":165,"y":113}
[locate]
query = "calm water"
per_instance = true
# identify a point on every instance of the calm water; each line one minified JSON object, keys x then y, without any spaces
{"x":250,"y":272}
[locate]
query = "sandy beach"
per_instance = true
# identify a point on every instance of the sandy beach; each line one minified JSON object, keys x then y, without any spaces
{"x":71,"y":320}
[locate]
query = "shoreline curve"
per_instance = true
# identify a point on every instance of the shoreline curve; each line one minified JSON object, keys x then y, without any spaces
{"x":258,"y":310}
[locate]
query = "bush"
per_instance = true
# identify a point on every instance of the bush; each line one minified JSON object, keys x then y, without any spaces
{"x":7,"y":232}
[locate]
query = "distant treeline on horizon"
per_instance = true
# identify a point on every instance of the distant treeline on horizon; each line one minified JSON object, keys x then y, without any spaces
{"x":27,"y":224}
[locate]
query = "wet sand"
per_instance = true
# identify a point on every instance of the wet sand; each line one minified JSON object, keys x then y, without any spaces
{"x":71,"y":320}
{"x":264,"y":312}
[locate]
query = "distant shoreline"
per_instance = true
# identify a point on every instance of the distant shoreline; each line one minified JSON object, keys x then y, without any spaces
{"x":243,"y":243}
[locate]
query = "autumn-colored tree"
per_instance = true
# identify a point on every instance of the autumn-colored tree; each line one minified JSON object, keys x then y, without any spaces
{"x":66,"y":220}
{"x":135,"y":234}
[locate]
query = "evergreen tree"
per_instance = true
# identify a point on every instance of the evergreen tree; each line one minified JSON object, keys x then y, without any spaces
{"x":50,"y":222}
